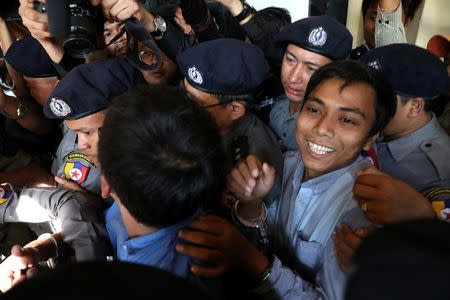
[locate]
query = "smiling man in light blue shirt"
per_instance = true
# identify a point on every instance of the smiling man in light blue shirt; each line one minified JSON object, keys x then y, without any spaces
{"x":346,"y":105}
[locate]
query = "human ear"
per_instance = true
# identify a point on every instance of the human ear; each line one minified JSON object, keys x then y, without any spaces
{"x":105,"y":187}
{"x":238,"y":109}
{"x":370,"y":141}
{"x":416,"y":106}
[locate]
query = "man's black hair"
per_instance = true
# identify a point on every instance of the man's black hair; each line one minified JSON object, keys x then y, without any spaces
{"x":354,"y":72}
{"x":161,"y":154}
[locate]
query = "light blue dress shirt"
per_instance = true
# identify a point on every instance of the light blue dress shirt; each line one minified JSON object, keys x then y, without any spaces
{"x":301,"y":225}
{"x":156,"y":249}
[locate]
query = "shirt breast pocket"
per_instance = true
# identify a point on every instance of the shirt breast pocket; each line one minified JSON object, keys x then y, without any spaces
{"x":309,"y":253}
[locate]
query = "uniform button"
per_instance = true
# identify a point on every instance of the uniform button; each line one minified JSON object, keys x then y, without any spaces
{"x":428,"y":145}
{"x":379,"y":21}
{"x":387,"y":22}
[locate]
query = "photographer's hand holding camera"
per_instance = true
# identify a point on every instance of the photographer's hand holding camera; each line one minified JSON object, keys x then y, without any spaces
{"x":122,"y":10}
{"x":37,"y":24}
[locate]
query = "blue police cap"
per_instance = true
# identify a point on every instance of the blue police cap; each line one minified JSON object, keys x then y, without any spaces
{"x":224,"y":66}
{"x":320,"y":34}
{"x":411,"y":70}
{"x":30,"y":58}
{"x":90,"y":88}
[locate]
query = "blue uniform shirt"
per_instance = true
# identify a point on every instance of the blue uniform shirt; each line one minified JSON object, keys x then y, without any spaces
{"x":283,"y":123}
{"x":420,"y":158}
{"x":72,"y":164}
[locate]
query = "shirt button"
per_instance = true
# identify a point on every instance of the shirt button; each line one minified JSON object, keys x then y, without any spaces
{"x":428,"y":145}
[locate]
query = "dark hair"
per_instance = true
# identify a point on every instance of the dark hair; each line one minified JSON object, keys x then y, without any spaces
{"x":435,"y":104}
{"x":409,"y":7}
{"x":225,"y":99}
{"x":162,"y":155}
{"x":272,"y":19}
{"x":353,"y":72}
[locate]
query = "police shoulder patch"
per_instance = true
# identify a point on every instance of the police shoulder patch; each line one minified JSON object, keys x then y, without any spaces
{"x":59,"y":107}
{"x":6,"y":193}
{"x":317,"y":37}
{"x":77,"y":167}
{"x":195,"y":75}
{"x":440,"y":202}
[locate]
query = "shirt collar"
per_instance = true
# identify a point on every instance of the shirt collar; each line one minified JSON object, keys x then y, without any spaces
{"x":321,"y":183}
{"x":155,"y":238}
{"x":401,"y":147}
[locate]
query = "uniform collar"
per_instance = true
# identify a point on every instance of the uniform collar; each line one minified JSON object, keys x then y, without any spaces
{"x":401,"y":147}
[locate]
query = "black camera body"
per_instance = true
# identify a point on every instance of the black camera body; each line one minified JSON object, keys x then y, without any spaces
{"x":77,"y":22}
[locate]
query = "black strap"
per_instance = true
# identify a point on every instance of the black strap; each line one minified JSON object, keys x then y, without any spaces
{"x":136,"y":32}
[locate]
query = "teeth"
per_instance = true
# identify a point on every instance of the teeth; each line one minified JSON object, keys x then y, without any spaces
{"x":319,"y":149}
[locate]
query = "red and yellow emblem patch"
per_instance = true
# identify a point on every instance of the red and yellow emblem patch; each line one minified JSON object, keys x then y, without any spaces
{"x":77,"y":167}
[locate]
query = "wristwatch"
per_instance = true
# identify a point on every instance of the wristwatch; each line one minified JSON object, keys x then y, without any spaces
{"x":160,"y":27}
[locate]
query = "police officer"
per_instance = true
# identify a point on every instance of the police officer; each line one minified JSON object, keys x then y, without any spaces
{"x":309,"y":44}
{"x":80,"y":99}
{"x":223,"y":75}
{"x":414,"y":147}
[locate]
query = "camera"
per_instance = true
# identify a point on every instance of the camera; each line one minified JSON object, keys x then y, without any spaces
{"x":77,"y":22}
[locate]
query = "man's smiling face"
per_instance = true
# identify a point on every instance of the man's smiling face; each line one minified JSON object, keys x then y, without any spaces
{"x":333,"y":126}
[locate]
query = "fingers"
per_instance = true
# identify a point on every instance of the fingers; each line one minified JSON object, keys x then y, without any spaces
{"x":212,"y":256}
{"x":268,"y":177}
{"x":342,"y":252}
{"x":243,"y":178}
{"x":199,"y":252}
{"x":209,"y":272}
{"x":350,"y":238}
{"x":366,"y":192}
{"x":35,"y":21}
{"x":120,"y":10}
{"x":346,"y":242}
{"x":254,"y":165}
{"x":67,"y":184}
{"x":369,"y":170}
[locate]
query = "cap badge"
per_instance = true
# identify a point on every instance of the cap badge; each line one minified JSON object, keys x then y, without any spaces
{"x":375,"y":64}
{"x":195,"y":75}
{"x":317,"y":37}
{"x":59,"y":107}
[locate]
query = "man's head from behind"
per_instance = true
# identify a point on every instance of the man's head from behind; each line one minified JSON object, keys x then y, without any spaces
{"x":161,"y":155}
{"x":81,"y":97}
{"x":309,"y":44}
{"x":222,"y":75}
{"x":346,"y":105}
{"x":417,"y":76}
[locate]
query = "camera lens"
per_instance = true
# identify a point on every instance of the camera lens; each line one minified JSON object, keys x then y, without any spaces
{"x":79,"y":46}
